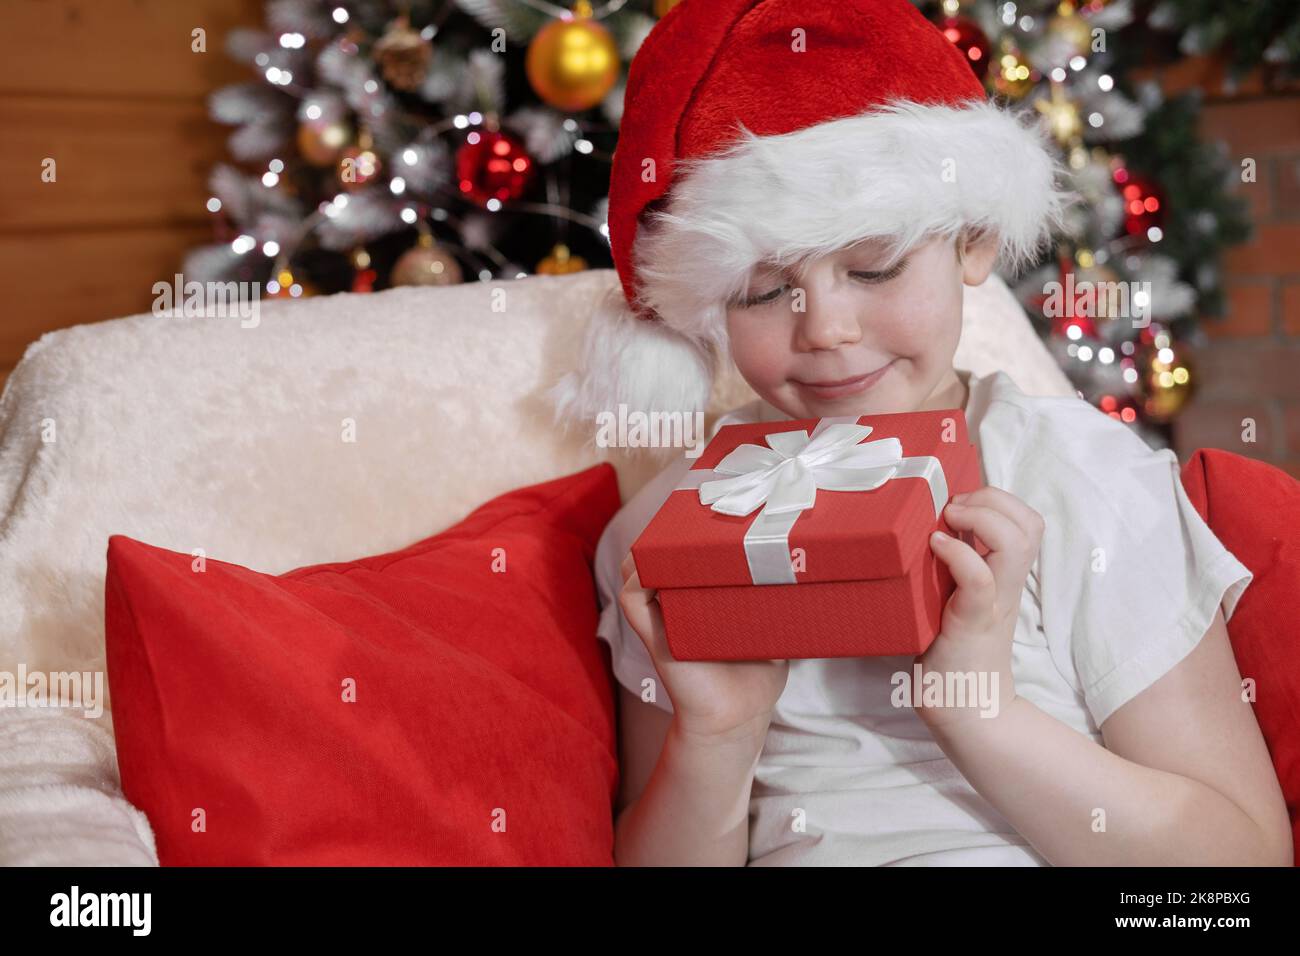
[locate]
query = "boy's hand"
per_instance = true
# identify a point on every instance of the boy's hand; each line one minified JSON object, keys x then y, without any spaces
{"x":714,"y":699}
{"x":980,"y":619}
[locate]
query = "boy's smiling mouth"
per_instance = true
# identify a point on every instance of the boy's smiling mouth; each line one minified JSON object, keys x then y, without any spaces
{"x":840,"y":388}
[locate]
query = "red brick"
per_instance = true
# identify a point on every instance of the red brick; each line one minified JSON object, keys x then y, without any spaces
{"x":1250,"y":311}
{"x":1274,"y":250}
{"x":1247,"y":371}
{"x":1291,"y":308}
{"x":1286,"y":194}
{"x":1258,"y":128}
{"x":1205,"y":74}
{"x":1260,"y":194}
{"x":1290,"y":415}
{"x":1291,"y":467}
{"x":1209,"y":424}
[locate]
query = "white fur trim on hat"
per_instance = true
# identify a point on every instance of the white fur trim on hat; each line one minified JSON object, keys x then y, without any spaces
{"x":902,"y":173}
{"x":635,"y":362}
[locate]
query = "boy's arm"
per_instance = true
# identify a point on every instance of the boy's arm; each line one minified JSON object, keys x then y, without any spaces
{"x":1184,"y":778}
{"x":1187,"y":779}
{"x":683,"y":799}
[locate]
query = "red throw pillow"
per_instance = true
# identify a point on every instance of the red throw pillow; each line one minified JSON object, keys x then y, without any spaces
{"x":446,"y":704}
{"x":1254,"y":509}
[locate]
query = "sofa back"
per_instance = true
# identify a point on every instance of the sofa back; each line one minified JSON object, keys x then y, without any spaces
{"x":334,"y":428}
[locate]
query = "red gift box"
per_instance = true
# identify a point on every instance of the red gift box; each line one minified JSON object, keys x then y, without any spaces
{"x":812,"y":572}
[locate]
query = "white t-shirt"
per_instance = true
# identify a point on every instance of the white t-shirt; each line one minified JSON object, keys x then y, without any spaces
{"x":1126,"y":583}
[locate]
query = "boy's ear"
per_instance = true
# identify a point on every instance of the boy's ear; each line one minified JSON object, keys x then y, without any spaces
{"x":978,"y":253}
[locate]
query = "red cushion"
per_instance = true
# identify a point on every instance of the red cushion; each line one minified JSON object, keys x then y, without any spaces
{"x":482,"y":730}
{"x":1254,"y":509}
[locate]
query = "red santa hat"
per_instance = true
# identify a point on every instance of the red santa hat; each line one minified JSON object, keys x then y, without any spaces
{"x":775,"y":130}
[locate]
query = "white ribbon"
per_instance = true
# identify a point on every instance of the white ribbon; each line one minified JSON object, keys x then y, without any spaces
{"x":784,"y":477}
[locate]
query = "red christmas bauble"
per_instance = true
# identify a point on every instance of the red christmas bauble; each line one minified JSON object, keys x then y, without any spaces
{"x":1144,"y":202}
{"x":493,"y":165}
{"x":967,"y":37}
{"x":363,"y":280}
{"x":1122,"y":407}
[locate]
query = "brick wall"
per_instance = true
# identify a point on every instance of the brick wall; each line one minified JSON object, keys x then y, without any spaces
{"x":1249,"y":365}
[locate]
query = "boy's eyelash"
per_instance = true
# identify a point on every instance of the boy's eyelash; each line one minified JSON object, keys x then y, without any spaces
{"x":870,"y":278}
{"x":764,"y":298}
{"x":884,"y":276}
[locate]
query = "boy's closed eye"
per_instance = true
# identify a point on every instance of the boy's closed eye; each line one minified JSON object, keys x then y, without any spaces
{"x":866,"y":276}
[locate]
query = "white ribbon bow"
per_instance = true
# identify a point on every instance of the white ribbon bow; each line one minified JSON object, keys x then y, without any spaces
{"x":785,"y":476}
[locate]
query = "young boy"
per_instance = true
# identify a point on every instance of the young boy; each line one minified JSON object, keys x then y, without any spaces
{"x":822,"y":246}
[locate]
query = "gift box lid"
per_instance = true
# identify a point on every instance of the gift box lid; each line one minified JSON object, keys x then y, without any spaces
{"x":844,"y":536}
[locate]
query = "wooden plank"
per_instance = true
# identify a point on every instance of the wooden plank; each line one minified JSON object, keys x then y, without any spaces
{"x":121,"y":47}
{"x":53,"y":280}
{"x":118,"y":161}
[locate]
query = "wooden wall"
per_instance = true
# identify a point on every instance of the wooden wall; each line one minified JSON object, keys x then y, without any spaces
{"x":112,"y":91}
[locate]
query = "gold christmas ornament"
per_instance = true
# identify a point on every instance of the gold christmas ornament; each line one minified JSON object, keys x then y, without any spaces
{"x":663,"y":6}
{"x":286,"y":286}
{"x":403,"y":55}
{"x":1062,"y":116}
{"x":426,"y":263}
{"x":358,"y":166}
{"x":1166,"y":382}
{"x":573,"y":64}
{"x":1074,"y":29}
{"x":322,"y":143}
{"x":560,"y":262}
{"x":1012,"y":77}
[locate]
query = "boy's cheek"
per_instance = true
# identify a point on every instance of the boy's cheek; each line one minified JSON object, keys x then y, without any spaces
{"x":934,"y":306}
{"x":761,"y":359}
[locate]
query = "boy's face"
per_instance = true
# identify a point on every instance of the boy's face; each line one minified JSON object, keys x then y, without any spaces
{"x":873,"y":336}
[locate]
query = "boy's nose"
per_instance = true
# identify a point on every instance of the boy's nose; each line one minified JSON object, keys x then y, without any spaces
{"x":826,"y":323}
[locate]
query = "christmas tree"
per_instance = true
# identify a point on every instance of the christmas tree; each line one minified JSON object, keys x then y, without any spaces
{"x":1137,"y":267}
{"x":418,"y":143}
{"x":396,"y":143}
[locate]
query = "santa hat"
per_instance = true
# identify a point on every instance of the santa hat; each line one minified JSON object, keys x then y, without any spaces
{"x":772,"y":130}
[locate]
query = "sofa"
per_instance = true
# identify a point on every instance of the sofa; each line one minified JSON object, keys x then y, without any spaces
{"x":197,"y":433}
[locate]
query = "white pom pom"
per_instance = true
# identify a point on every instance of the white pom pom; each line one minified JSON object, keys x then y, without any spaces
{"x":635,"y":362}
